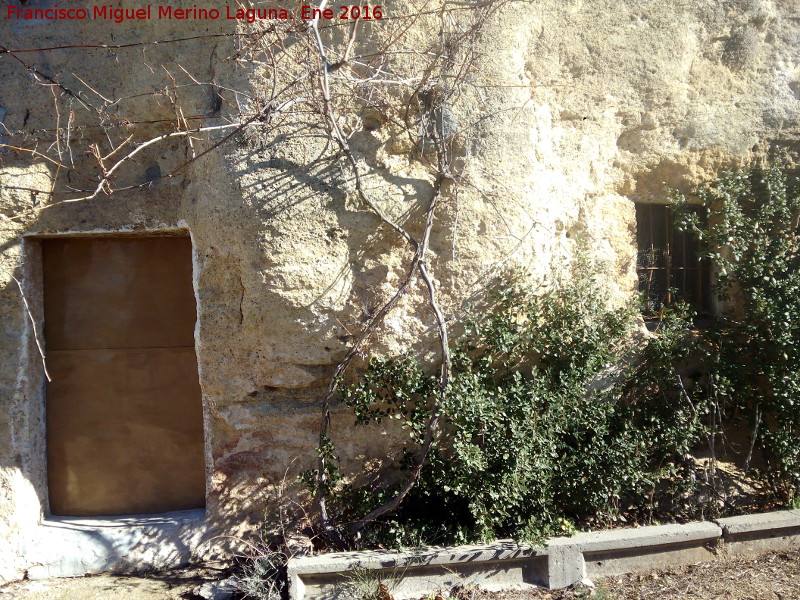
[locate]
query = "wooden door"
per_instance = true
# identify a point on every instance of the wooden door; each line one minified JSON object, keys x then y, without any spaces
{"x":124,"y":412}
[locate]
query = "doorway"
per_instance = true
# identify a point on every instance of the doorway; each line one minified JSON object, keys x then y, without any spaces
{"x":123,"y":409}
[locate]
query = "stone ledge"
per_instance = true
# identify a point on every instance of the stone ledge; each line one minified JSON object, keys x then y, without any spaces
{"x":177,"y":517}
{"x":558,"y":563}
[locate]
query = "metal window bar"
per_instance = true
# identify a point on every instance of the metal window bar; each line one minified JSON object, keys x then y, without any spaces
{"x":668,"y":261}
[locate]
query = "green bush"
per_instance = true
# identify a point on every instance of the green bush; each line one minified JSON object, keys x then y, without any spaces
{"x":542,"y":428}
{"x":559,"y":415}
{"x":752,"y":236}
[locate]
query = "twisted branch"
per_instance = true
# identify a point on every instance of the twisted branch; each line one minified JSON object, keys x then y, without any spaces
{"x":416,"y":267}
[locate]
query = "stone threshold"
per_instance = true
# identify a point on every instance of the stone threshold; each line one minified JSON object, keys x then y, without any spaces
{"x":77,"y":546}
{"x":558,"y":563}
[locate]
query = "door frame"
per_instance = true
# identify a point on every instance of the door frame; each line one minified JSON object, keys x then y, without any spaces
{"x":31,"y":380}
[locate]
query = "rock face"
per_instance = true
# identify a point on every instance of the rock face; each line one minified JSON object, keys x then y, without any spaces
{"x":558,"y":116}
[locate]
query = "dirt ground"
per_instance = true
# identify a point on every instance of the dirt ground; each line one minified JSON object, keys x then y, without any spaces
{"x":169,"y":585}
{"x":770,"y":577}
{"x":773,"y":576}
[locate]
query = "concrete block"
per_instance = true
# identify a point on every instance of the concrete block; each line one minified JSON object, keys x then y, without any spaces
{"x":565,"y":564}
{"x":644,"y":537}
{"x":647,"y":548}
{"x":417,"y":581}
{"x":643,"y":559}
{"x":749,"y":535}
{"x":377,"y":559}
{"x":782,"y":519}
{"x":411,"y":574}
{"x":624,"y":550}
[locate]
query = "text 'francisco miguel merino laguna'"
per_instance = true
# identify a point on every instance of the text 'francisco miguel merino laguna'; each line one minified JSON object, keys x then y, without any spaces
{"x":250,"y":15}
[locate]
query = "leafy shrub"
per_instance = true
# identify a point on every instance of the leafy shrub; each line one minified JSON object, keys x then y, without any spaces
{"x":533,"y":439}
{"x":558,"y":415}
{"x":752,"y":235}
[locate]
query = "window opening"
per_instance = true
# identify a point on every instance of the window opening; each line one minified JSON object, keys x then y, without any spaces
{"x":669,"y":266}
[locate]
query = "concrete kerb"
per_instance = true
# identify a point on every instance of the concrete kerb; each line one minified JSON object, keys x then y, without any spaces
{"x":754,"y":534}
{"x":783,"y":519}
{"x":504,"y":563}
{"x":629,"y":550}
{"x":560,"y":562}
{"x":571,"y":559}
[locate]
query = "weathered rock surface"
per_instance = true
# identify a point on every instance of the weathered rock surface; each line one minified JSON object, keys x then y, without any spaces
{"x":570,"y":112}
{"x":217,"y":590}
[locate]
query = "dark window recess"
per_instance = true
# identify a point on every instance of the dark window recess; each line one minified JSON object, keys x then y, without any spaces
{"x":668,"y":263}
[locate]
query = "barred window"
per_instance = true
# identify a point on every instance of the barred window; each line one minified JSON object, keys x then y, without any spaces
{"x":668,"y":264}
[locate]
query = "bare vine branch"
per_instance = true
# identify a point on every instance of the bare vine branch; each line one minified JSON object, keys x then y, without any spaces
{"x":37,"y":340}
{"x":50,"y":81}
{"x":418,"y":266}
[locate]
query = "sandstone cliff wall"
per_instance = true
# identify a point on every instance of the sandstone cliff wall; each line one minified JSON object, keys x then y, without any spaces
{"x":566,"y":113}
